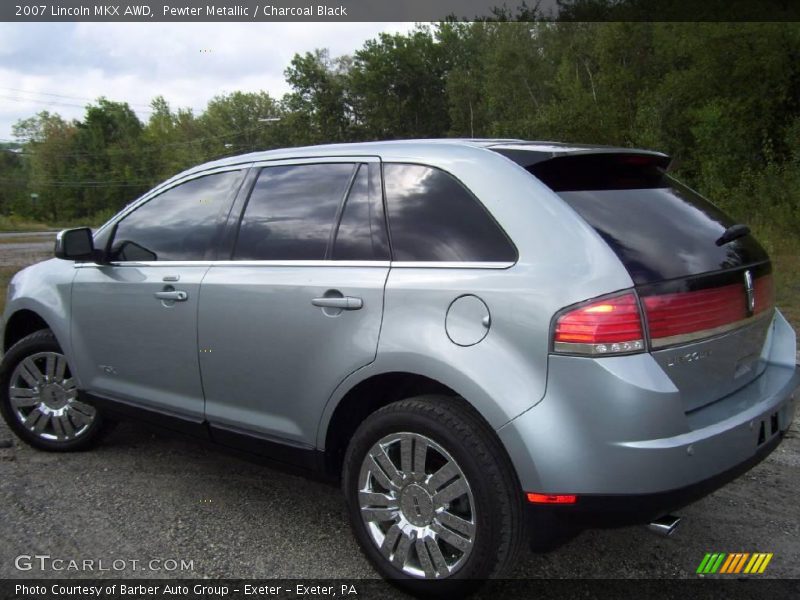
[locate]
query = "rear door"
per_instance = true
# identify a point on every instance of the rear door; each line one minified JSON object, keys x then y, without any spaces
{"x":707,"y":302}
{"x":298,"y":305}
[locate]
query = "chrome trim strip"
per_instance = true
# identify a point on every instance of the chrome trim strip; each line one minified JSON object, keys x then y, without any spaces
{"x":300,"y":263}
{"x":591,"y":349}
{"x":307,"y":263}
{"x":685,"y":338}
{"x":245,"y":263}
{"x":450,"y":265}
{"x":163,"y":263}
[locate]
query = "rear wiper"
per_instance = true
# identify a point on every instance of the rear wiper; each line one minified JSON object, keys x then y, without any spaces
{"x":734,"y":232}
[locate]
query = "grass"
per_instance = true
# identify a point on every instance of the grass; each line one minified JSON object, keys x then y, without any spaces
{"x":14,"y":223}
{"x":28,"y":239}
{"x":786,"y":269}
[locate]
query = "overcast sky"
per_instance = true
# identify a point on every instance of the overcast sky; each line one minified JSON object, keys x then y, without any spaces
{"x":60,"y":67}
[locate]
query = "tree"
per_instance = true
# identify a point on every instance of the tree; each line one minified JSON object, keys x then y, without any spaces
{"x":398,"y":87}
{"x":318,"y":103}
{"x":50,"y":161}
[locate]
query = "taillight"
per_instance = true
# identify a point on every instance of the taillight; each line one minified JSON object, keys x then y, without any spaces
{"x":670,"y":315}
{"x":608,"y":326}
{"x":613,"y":325}
{"x":685,"y":316}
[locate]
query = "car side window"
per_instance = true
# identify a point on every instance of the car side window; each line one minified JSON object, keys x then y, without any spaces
{"x":292,"y":211}
{"x":179,"y":224}
{"x":433,"y":217}
{"x":361,"y":234}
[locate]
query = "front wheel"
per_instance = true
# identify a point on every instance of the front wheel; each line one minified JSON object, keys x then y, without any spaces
{"x":39,"y":397}
{"x":432,"y":496}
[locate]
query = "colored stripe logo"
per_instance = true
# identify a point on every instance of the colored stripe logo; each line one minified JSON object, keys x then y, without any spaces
{"x":733,"y":563}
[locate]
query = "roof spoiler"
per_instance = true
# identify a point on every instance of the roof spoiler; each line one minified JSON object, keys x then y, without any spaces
{"x":528,"y":157}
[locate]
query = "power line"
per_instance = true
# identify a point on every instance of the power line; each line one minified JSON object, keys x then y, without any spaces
{"x":22,"y":91}
{"x":123,"y":152}
{"x":102,"y":183}
{"x":73,"y":184}
{"x":50,"y":102}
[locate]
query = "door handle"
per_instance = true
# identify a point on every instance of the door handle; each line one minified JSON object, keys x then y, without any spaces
{"x":174,"y":295}
{"x":344,"y":303}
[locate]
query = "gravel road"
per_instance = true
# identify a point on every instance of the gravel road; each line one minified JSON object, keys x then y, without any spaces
{"x":144,"y":494}
{"x":27,"y":251}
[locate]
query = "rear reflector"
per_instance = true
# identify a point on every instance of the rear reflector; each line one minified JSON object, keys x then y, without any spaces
{"x":551,"y":498}
{"x":686,"y":316}
{"x":608,"y":326}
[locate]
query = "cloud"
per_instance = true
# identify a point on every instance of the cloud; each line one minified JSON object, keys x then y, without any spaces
{"x":61,"y":66}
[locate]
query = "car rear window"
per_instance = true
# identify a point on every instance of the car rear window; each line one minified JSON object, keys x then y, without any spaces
{"x":659,"y":228}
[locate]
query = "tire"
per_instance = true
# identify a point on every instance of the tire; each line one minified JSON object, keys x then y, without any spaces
{"x":38,"y":397}
{"x":463,"y":507}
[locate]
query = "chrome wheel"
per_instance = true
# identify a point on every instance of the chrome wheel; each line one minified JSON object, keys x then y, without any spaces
{"x":417,"y":505}
{"x":43,"y":397}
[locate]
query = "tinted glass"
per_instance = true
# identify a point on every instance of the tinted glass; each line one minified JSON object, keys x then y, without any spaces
{"x":291,"y":212}
{"x":659,"y":228}
{"x":432,"y":217}
{"x":362,"y":228}
{"x":180,"y":224}
{"x":663,"y":233}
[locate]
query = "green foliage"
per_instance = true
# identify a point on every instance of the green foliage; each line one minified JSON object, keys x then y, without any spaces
{"x":319,"y":102}
{"x":722,"y":98}
{"x":397,"y":87}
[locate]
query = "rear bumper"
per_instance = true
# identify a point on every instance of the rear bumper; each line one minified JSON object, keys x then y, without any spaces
{"x":599,"y":511}
{"x":614,"y":432}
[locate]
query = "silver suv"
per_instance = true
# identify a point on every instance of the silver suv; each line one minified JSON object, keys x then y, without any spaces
{"x":483,"y":340}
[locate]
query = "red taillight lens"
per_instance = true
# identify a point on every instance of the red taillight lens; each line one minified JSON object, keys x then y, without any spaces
{"x":680,"y":317}
{"x":614,"y":325}
{"x":687,"y":312}
{"x":552,"y":498}
{"x":608,"y":326}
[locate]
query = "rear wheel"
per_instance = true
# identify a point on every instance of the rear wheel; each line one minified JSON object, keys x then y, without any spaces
{"x":431,"y":495}
{"x":39,"y":397}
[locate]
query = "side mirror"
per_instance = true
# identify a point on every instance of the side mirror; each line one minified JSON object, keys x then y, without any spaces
{"x":75,"y":244}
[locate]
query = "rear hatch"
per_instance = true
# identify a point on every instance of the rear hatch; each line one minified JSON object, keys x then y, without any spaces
{"x":707,"y":300}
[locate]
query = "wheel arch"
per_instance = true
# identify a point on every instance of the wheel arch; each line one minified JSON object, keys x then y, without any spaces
{"x":351,"y":405}
{"x":364,"y":398}
{"x":39,"y":297}
{"x":22,"y":323}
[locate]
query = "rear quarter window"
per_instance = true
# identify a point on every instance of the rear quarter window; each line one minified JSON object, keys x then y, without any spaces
{"x":433,"y":217}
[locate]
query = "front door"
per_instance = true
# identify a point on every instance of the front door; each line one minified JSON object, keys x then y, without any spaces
{"x":134,"y":320}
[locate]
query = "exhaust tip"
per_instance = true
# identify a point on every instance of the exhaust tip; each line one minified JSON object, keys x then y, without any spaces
{"x":665,"y":526}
